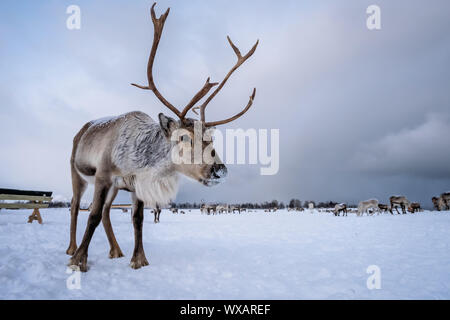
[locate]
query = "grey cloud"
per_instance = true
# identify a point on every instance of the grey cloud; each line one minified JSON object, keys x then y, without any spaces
{"x":423,"y":151}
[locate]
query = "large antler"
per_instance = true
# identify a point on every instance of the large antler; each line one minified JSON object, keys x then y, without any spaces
{"x":158,"y":24}
{"x":241,"y":60}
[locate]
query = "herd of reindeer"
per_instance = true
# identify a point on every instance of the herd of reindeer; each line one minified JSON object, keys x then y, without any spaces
{"x":371,"y":206}
{"x":368,"y":206}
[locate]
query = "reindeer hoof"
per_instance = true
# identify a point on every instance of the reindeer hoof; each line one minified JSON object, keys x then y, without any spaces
{"x":71,"y":250}
{"x":138,"y":261}
{"x":78,"y":262}
{"x":115,"y":253}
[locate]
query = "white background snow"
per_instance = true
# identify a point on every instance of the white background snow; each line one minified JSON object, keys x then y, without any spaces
{"x":256,"y":255}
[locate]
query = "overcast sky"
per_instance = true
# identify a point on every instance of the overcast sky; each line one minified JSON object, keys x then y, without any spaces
{"x":361,"y":113}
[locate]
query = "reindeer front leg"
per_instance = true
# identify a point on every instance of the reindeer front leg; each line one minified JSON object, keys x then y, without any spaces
{"x":138,"y":260}
{"x":78,"y":186}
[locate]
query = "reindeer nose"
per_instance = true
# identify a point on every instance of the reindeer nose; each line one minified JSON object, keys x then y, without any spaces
{"x":218,"y":171}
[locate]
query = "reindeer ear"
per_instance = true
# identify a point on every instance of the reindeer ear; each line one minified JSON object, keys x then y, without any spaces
{"x":167,"y":124}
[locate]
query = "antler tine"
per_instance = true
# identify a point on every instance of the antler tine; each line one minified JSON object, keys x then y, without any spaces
{"x":194,"y":110}
{"x":203,"y":91}
{"x":241,"y":60}
{"x":158,"y":24}
{"x":249,"y":104}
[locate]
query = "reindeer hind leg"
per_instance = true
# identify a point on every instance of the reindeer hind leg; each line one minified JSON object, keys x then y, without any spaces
{"x":79,"y":259}
{"x":114,"y":251}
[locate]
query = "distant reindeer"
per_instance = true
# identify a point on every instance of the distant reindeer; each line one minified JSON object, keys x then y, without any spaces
{"x":174,"y":210}
{"x":208,"y":209}
{"x":157,"y":212}
{"x":235,"y":208}
{"x":132,"y":152}
{"x":446,"y":200}
{"x":364,"y":206}
{"x":399,"y":201}
{"x":341,"y":207}
{"x":182,"y":212}
{"x":414,"y":207}
{"x":384,"y":208}
{"x":222,"y":208}
{"x":438,"y":203}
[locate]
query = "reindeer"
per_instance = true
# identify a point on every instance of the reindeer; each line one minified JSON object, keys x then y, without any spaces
{"x":208,"y":209}
{"x":414,"y":207}
{"x":364,"y":206}
{"x":222,"y":208}
{"x":445,"y":200}
{"x":174,"y":210}
{"x":438,"y":203}
{"x":157,"y":212}
{"x":384,"y":208}
{"x":235,"y":208}
{"x":132,"y":152}
{"x":399,"y":201}
{"x":341,"y":207}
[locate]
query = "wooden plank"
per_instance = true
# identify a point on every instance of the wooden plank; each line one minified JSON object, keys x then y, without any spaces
{"x":23,"y":205}
{"x":26,"y":192}
{"x":24,"y":197}
{"x":120,"y":206}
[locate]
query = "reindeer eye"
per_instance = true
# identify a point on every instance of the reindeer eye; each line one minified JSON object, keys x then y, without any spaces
{"x":185,"y":138}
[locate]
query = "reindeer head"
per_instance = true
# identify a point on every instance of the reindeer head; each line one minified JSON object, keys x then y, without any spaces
{"x":188,"y":133}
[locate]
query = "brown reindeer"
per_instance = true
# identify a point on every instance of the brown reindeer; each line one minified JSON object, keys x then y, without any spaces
{"x":437,"y":203}
{"x":414,"y":207}
{"x":157,"y":213}
{"x":135,"y":153}
{"x":446,"y":200}
{"x":384,"y":207}
{"x":399,"y":201}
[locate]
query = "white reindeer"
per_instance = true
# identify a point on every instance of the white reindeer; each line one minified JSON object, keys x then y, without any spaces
{"x":364,"y":206}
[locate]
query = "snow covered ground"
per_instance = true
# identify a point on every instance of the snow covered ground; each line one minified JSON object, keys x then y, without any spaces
{"x":256,"y":255}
